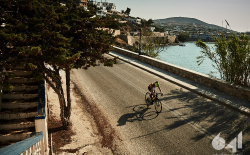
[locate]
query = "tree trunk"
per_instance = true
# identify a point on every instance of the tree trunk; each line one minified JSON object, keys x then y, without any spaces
{"x":61,"y":98}
{"x":68,"y":107}
{"x":246,"y":84}
{"x":62,"y":102}
{"x":65,"y":111}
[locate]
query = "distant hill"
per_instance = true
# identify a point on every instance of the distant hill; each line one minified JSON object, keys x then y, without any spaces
{"x":186,"y":21}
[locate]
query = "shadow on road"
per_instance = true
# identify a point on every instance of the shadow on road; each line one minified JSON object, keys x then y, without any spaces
{"x":221,"y":118}
{"x":140,"y":113}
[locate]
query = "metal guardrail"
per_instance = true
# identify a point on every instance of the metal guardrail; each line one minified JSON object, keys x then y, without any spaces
{"x":25,"y":145}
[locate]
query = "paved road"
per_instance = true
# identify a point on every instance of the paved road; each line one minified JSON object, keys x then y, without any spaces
{"x":188,"y":122}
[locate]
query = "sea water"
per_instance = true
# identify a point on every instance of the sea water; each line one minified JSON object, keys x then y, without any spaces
{"x":186,"y":57}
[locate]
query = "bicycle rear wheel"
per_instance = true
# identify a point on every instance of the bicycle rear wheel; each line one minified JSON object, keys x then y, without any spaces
{"x":158,"y":106}
{"x":147,"y":98}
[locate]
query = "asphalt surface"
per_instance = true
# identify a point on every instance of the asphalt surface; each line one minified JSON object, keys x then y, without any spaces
{"x":187,"y":124}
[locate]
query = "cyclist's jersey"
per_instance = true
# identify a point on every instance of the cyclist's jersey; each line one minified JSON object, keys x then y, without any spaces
{"x":151,"y":86}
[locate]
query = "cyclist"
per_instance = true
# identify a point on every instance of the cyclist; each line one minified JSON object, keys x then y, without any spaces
{"x":151,"y":88}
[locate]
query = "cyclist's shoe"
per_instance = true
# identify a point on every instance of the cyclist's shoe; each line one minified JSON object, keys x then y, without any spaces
{"x":152,"y":101}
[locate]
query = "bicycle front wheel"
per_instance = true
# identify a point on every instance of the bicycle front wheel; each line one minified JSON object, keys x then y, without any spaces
{"x":158,"y":106}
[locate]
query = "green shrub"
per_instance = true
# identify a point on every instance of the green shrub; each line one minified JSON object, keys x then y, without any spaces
{"x":231,"y":57}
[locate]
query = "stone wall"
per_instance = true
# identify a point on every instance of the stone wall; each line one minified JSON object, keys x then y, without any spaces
{"x":116,"y":32}
{"x":215,"y":83}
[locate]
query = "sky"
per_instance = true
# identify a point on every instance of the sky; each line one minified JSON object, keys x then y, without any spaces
{"x":236,"y":12}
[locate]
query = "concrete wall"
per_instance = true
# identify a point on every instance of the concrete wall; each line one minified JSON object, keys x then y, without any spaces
{"x":215,"y":83}
{"x":123,"y":22}
{"x":171,"y":39}
{"x":116,"y":32}
{"x":159,"y":34}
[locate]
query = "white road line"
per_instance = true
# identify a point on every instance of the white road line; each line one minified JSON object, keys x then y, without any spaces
{"x":127,"y":81}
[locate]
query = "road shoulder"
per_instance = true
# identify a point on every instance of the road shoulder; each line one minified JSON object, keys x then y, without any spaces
{"x":83,"y":135}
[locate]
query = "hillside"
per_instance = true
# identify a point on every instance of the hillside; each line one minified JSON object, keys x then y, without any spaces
{"x":185,"y":21}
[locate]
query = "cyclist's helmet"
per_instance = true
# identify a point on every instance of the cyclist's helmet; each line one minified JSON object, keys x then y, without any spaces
{"x":156,"y":84}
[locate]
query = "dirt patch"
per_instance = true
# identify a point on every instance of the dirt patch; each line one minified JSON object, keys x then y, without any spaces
{"x":105,"y":130}
{"x":120,"y":43}
{"x":61,"y":136}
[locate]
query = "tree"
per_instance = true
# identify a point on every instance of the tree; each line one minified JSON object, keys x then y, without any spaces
{"x":149,"y":22}
{"x":93,"y":7}
{"x":108,"y":9}
{"x":39,"y":34}
{"x":112,"y":25}
{"x":143,"y":22}
{"x":159,"y":29}
{"x":231,"y":58}
{"x":127,"y":12}
{"x":183,"y":36}
{"x":151,"y":45}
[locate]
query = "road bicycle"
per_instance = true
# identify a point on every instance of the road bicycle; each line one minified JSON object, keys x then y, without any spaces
{"x":156,"y":102}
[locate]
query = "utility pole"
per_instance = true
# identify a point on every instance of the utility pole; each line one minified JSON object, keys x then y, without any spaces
{"x":140,"y":43}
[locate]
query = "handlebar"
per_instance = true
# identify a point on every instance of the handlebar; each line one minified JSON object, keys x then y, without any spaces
{"x":158,"y":94}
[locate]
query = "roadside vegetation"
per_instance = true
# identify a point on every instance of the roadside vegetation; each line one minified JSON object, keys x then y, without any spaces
{"x":231,"y":57}
{"x":147,"y":42}
{"x":183,"y":36}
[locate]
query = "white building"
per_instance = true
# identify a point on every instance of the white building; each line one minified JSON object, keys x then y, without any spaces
{"x":203,"y":36}
{"x":151,"y":29}
{"x":193,"y":36}
{"x":92,"y":2}
{"x":101,"y":13}
{"x":112,"y":6}
{"x":134,"y":20}
{"x":103,"y":7}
